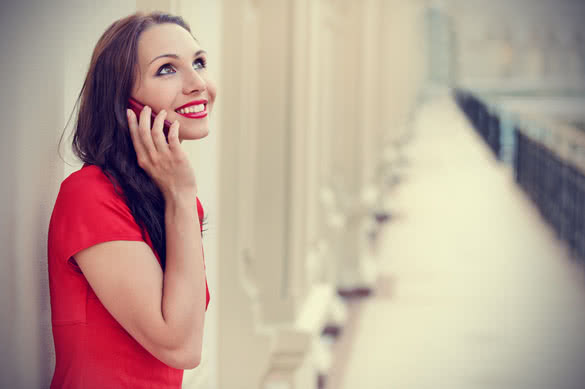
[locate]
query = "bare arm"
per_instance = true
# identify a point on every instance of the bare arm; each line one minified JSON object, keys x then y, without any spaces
{"x":164,"y":312}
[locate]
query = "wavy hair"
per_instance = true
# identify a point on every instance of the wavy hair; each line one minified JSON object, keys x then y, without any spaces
{"x":102,"y":136}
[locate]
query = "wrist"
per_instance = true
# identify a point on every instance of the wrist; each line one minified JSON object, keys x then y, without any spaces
{"x":180,"y":199}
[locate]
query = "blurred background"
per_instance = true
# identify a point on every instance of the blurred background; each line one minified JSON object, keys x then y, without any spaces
{"x":395,"y":189}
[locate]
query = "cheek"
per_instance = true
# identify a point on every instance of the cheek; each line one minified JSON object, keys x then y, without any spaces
{"x":159,"y":95}
{"x":211,"y":90}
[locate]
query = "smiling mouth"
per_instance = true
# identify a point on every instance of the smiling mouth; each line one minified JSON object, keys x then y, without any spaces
{"x":193,"y":111}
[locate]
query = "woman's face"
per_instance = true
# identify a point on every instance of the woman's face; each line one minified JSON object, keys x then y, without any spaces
{"x":172,"y":75}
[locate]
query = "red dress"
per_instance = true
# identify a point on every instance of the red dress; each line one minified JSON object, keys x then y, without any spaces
{"x":92,"y":350}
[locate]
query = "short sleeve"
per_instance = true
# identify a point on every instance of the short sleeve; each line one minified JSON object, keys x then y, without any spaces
{"x":200,"y":213}
{"x":88,"y":211}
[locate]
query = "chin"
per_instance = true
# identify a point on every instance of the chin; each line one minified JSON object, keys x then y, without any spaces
{"x":193,"y":134}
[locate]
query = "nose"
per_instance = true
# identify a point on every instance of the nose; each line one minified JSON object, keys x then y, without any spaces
{"x":194,"y":83}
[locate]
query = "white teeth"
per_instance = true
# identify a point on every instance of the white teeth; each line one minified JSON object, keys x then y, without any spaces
{"x":192,"y":109}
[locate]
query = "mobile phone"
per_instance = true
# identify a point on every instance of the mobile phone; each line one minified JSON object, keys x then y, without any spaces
{"x":137,"y":107}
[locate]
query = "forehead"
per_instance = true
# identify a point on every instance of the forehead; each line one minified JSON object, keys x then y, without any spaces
{"x":166,"y":38}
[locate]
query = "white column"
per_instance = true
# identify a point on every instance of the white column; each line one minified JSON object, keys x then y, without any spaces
{"x":404,"y":68}
{"x":347,"y":143}
{"x":273,"y":302}
{"x":243,"y":348}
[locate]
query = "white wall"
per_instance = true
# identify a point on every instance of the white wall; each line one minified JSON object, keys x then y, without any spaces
{"x":32,"y":106}
{"x":46,"y":49}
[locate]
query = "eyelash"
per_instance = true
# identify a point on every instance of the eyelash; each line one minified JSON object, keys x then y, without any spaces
{"x":202,"y":62}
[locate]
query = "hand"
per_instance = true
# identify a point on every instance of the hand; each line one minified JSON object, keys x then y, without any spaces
{"x":165,"y":162}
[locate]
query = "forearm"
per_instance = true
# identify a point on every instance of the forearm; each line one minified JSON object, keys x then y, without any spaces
{"x":183,"y":295}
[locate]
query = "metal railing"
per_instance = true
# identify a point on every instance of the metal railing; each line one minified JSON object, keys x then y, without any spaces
{"x":548,"y":159}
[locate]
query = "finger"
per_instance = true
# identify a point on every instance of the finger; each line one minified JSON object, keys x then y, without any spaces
{"x":133,"y":127}
{"x":144,"y":132}
{"x":174,"y":143}
{"x":158,"y":136}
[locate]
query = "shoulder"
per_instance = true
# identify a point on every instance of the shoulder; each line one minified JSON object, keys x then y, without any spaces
{"x":89,"y":180}
{"x":89,"y":210}
{"x":89,"y":189}
{"x":88,"y":195}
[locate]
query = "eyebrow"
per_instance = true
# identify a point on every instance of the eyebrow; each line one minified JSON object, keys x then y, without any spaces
{"x":199,"y":52}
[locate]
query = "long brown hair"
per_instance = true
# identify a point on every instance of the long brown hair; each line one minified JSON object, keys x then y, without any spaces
{"x":102,"y":137}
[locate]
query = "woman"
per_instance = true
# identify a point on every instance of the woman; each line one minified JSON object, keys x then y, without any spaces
{"x":126,"y":270}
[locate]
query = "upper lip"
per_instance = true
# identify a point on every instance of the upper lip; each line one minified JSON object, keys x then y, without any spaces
{"x":195,"y":102}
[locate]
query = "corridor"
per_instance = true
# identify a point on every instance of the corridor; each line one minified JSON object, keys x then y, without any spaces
{"x":469,"y":287}
{"x":476,"y":290}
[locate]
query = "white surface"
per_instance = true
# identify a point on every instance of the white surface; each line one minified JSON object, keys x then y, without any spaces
{"x":483,"y":294}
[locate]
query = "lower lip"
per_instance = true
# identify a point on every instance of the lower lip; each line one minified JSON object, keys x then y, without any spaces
{"x":195,"y":115}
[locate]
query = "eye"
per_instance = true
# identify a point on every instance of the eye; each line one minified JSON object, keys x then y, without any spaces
{"x":165,"y":69}
{"x":199,"y":63}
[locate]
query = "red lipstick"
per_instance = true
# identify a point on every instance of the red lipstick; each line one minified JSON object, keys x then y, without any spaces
{"x":193,"y":115}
